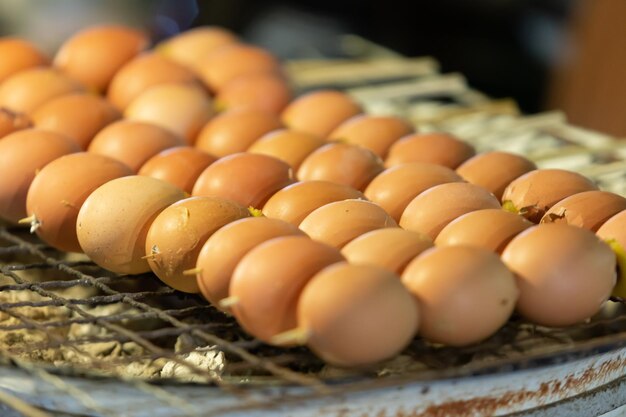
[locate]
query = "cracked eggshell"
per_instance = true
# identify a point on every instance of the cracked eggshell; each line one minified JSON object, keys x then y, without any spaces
{"x":589,"y":209}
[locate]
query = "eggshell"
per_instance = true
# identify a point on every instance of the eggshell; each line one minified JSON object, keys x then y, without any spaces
{"x":267,"y":92}
{"x":490,"y":229}
{"x":434,"y":148}
{"x":394,"y":188}
{"x":180,"y":166}
{"x":320,"y":112}
{"x":589,"y":209}
{"x":376,"y":133}
{"x":223,"y":250}
{"x":94,"y":55}
{"x":187,"y":47}
{"x":389,"y":248}
{"x":246,"y":178}
{"x":296,"y":201}
{"x":494,"y":170}
{"x":613,"y":231}
{"x":79,"y":116}
{"x":465,"y":294}
{"x":564,"y":273}
{"x":234,"y":131}
{"x":27,"y":90}
{"x":177,"y":234}
{"x":60,"y":189}
{"x":339,"y":222}
{"x":434,"y":208}
{"x":132,"y":142}
{"x":268,"y":280}
{"x":18,"y":55}
{"x":113,"y":221}
{"x":291,"y":146}
{"x":341,"y":163}
{"x":357,"y":315}
{"x":11,"y":121}
{"x":535,"y":192}
{"x":22,"y":154}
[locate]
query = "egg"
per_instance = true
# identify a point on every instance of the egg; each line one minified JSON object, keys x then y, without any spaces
{"x":181,"y":166}
{"x":564,"y":273}
{"x":187,"y":47}
{"x":490,"y":229}
{"x":267,"y":282}
{"x":22,"y":154}
{"x":589,"y":209}
{"x":494,"y":170}
{"x":296,"y":201}
{"x":339,"y":222}
{"x":143,"y":72}
{"x":291,"y":146}
{"x":246,"y":178}
{"x":320,"y":112}
{"x":11,"y":121}
{"x":357,"y":315}
{"x":177,"y":234}
{"x":235,"y":130}
{"x":182,"y":108}
{"x":466,"y":294}
{"x":267,"y":92}
{"x":434,"y":148}
{"x":394,"y":188}
{"x":376,"y":133}
{"x":132,"y":142}
{"x":60,"y":189}
{"x":93,"y":55}
{"x":341,"y":163}
{"x":78,"y":116}
{"x":223,"y":250}
{"x":537,"y":191}
{"x":113,"y":222}
{"x":434,"y":208}
{"x":613,"y":232}
{"x":19,"y":55}
{"x":27,"y":90}
{"x":389,"y":248}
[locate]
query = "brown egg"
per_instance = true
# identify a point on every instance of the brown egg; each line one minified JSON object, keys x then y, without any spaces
{"x":143,"y":72}
{"x":320,"y":112}
{"x":189,"y":46}
{"x":11,"y":121}
{"x":60,"y":189}
{"x":376,"y":133}
{"x":564,"y":273}
{"x":246,"y":178}
{"x":394,"y":188}
{"x":433,"y":148}
{"x":132,"y":142}
{"x":223,"y":250}
{"x":389,"y":248}
{"x":357,"y":315}
{"x":177,"y":234}
{"x":296,"y":201}
{"x":181,"y":108}
{"x":231,"y":61}
{"x":22,"y":154}
{"x":235,"y":130}
{"x":180,"y":166}
{"x":268,"y":280}
{"x":94,"y":55}
{"x":342,"y":163}
{"x":494,"y":170}
{"x":589,"y":209}
{"x":433,"y":209}
{"x":613,"y":232}
{"x":27,"y":90}
{"x":18,"y":55}
{"x":263,"y":91}
{"x":113,"y":222}
{"x":535,"y":192}
{"x":79,"y":116}
{"x":490,"y":229}
{"x":291,"y":146}
{"x":465,"y":294}
{"x":339,"y":222}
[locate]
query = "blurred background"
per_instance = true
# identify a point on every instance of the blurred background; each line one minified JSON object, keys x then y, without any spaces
{"x":545,"y":54}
